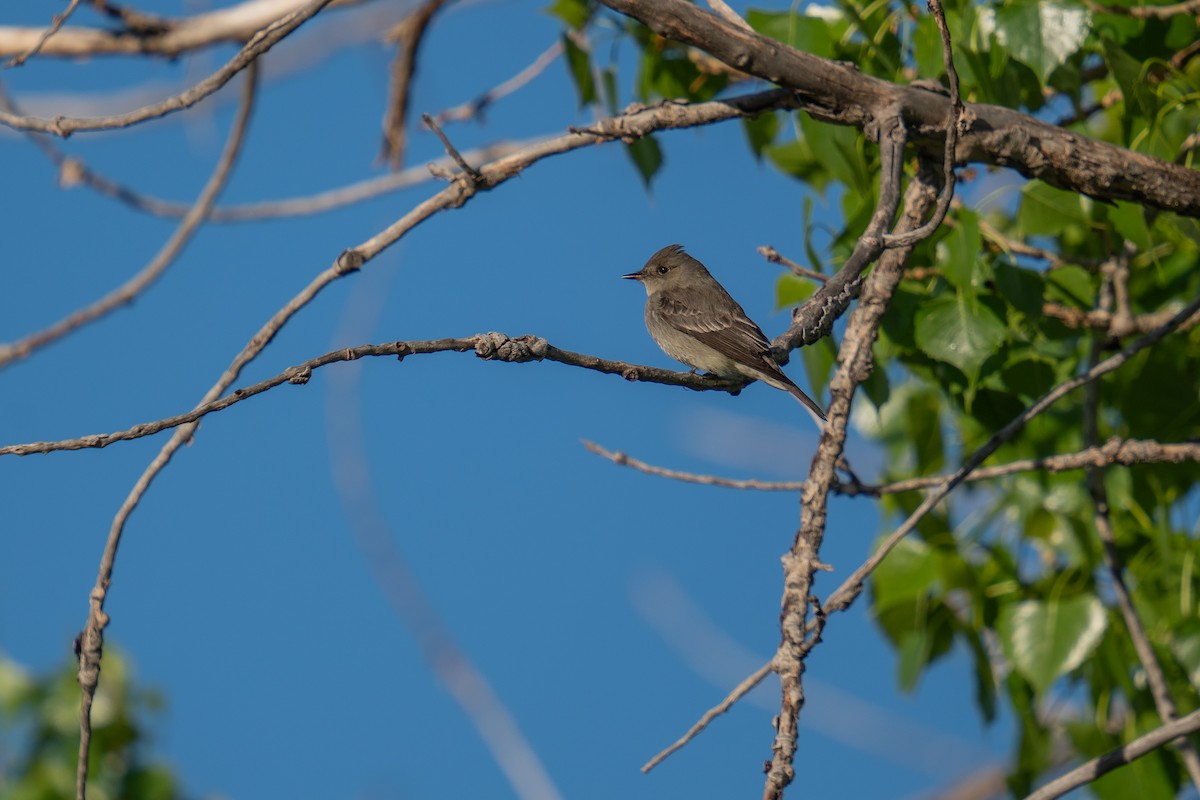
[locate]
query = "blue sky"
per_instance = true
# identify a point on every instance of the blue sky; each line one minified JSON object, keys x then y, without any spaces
{"x":608,"y":609}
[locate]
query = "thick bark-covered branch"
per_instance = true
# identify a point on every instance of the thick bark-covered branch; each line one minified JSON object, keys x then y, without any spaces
{"x":839,"y":93}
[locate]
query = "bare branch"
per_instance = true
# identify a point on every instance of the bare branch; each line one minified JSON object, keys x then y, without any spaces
{"x":802,"y":562}
{"x":262,"y":41}
{"x":56,"y":23}
{"x":739,"y":691}
{"x":149,"y":35}
{"x":1104,"y":321}
{"x":473,"y":108}
{"x":90,"y":641}
{"x":625,"y":460}
{"x":488,"y":346}
{"x":772,"y":255}
{"x":1125,"y":452}
{"x":407,"y":34}
{"x":1188,"y":7}
{"x":170,"y":250}
{"x":1126,"y":753}
{"x":73,"y":171}
{"x":955,"y":120}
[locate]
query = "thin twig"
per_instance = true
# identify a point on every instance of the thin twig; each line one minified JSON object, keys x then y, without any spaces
{"x":488,"y":346}
{"x":262,"y":41}
{"x":56,"y":24}
{"x":73,"y":171}
{"x":1188,"y":7}
{"x":195,"y":217}
{"x":739,"y":691}
{"x":473,"y":108}
{"x":91,"y":640}
{"x":1118,"y":757}
{"x":408,"y":34}
{"x":1105,"y":322}
{"x":956,"y":119}
{"x":1125,"y":452}
{"x":1114,"y":292}
{"x":772,"y":255}
{"x":470,"y":172}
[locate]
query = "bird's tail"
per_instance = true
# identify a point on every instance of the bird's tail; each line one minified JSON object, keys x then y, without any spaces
{"x":809,"y":404}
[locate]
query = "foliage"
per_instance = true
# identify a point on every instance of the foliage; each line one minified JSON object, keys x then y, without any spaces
{"x":39,"y":736}
{"x":1012,"y":570}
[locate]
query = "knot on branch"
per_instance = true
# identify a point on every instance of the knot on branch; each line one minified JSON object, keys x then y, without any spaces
{"x":349,"y":261}
{"x":498,"y":347}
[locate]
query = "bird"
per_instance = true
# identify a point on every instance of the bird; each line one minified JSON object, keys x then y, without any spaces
{"x":694,"y":320}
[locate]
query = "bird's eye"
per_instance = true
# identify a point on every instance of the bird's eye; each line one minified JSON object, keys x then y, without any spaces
{"x":663,"y":270}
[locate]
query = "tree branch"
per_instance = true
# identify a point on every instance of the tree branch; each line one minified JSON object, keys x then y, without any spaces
{"x":801,"y":563}
{"x":999,"y":136}
{"x":407,"y":34}
{"x":1126,"y":753}
{"x":56,"y":24}
{"x":156,"y":36}
{"x":170,"y":250}
{"x":488,"y":346}
{"x":1125,"y":452}
{"x":262,"y":41}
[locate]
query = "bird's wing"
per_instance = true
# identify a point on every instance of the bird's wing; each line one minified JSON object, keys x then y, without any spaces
{"x":725,"y":328}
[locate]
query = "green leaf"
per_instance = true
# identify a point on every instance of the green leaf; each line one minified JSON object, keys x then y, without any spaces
{"x":1042,"y":34}
{"x":1022,"y":288}
{"x":792,"y":290}
{"x":961,"y":254}
{"x":647,"y":157}
{"x":573,"y":12}
{"x":761,"y":131}
{"x":907,"y":573}
{"x":1030,"y":377}
{"x":810,"y":34}
{"x":839,"y":149}
{"x":796,"y":158}
{"x":1049,"y":211}
{"x":1071,"y":285}
{"x":1046,"y":640}
{"x":819,"y":359}
{"x":579,"y":63}
{"x":960,"y":331}
{"x":609,"y":78}
{"x":1129,"y":73}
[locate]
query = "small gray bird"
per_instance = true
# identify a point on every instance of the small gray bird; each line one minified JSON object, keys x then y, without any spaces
{"x":694,"y":320}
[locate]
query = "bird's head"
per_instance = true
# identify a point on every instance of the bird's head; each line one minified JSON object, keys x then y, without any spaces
{"x":669,"y":268}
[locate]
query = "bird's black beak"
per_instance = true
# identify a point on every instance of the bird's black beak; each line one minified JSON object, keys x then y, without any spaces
{"x":634,"y":276}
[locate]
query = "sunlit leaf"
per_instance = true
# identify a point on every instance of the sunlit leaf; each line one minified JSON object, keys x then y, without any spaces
{"x":1046,"y":640}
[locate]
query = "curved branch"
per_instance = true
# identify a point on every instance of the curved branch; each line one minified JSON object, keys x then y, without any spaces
{"x":89,"y":642}
{"x":150,"y":273}
{"x":263,"y":41}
